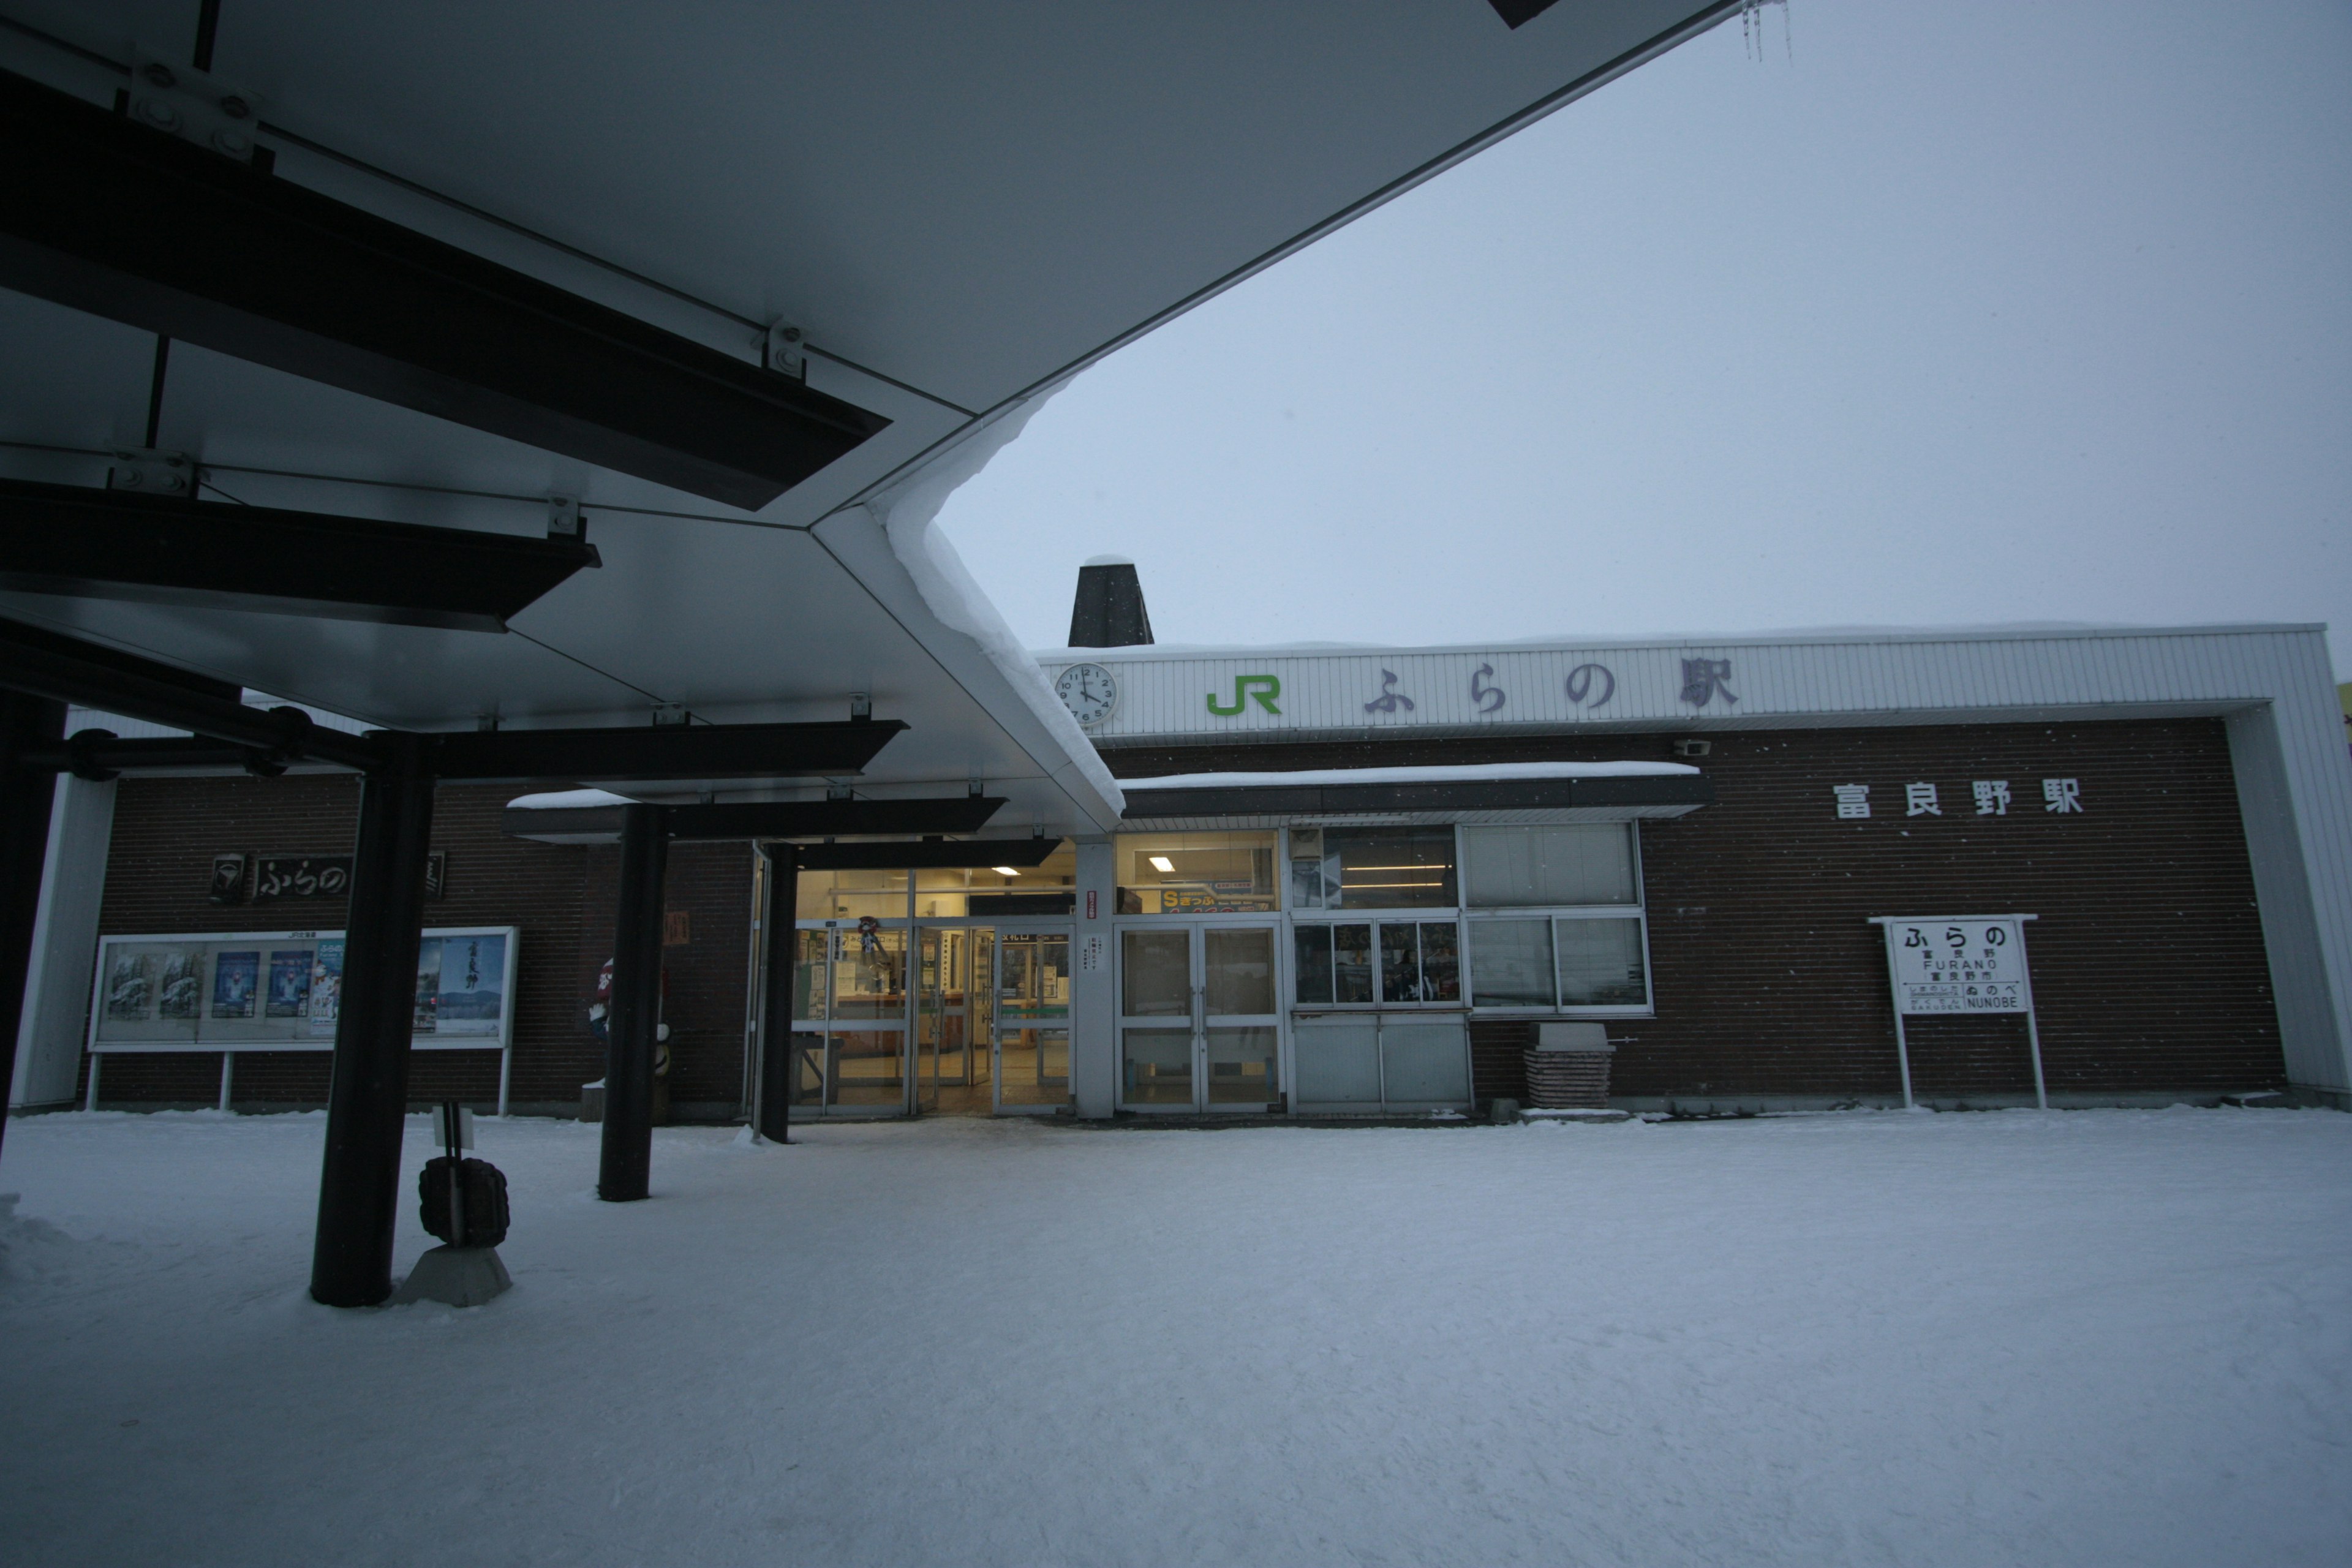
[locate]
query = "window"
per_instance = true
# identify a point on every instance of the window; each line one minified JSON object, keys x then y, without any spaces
{"x":1511,"y":964}
{"x":833,"y":895}
{"x":1576,"y":938}
{"x":1393,"y":963}
{"x":1601,"y":963}
{"x":1372,"y":868}
{"x":986,"y":892}
{"x":1195,"y":873}
{"x":1523,"y":867}
{"x":1582,"y":960}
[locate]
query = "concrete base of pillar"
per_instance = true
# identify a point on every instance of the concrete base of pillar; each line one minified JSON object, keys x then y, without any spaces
{"x":455,"y":1276}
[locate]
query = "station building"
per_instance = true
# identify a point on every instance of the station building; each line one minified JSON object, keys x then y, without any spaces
{"x":1355,"y":881}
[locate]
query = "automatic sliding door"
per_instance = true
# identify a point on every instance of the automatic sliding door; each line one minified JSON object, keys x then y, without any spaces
{"x":1033,"y":1020}
{"x":849,"y":1018}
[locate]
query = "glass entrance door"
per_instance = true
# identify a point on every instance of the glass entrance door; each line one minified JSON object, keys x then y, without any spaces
{"x":849,"y":1020}
{"x":1199,"y":1026}
{"x":1033,"y":1020}
{"x":953,"y":1021}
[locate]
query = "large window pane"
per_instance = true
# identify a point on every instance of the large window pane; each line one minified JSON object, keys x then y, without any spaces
{"x":1373,"y":867}
{"x":1510,"y":963}
{"x":1351,"y":963}
{"x":1440,"y":961}
{"x":808,"y":974}
{"x":807,"y":1069}
{"x":1521,"y":868}
{"x":1312,"y":970}
{"x":1237,"y":970}
{"x":981,"y":890}
{"x":836,"y":895}
{"x":1158,"y":1066}
{"x":1155,"y":972}
{"x":869,"y":972}
{"x":867,"y":1068}
{"x":1243,"y":1066}
{"x":1036,"y":1065}
{"x":1195,"y":873}
{"x":1600,"y":963}
{"x":1400,"y":964}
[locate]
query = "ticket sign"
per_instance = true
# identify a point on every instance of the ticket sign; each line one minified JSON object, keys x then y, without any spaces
{"x":1958,"y":965}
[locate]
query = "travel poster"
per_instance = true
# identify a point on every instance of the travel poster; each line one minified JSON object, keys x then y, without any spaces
{"x":471,"y":990}
{"x":235,"y":977}
{"x":180,"y":983}
{"x":130,"y":985}
{"x":327,"y":986}
{"x":289,"y":982}
{"x":428,"y":986}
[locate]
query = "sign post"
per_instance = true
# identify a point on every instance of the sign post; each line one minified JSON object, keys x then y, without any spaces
{"x":1959,"y":963}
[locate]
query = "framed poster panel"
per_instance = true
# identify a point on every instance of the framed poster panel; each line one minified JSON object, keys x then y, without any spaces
{"x":282,"y":991}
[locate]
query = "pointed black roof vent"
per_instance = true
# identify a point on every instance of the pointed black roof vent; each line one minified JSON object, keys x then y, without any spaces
{"x":1109,"y":610}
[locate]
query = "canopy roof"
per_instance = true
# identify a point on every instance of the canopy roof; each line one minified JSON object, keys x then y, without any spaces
{"x":958,"y":206}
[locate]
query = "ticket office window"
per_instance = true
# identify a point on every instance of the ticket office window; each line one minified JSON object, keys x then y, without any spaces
{"x":1389,"y":963}
{"x":1196,"y":873}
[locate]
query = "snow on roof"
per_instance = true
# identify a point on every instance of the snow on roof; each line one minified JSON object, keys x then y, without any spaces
{"x":1991,"y":631}
{"x":567,"y":800}
{"x":1110,"y":560}
{"x":1470,"y":773}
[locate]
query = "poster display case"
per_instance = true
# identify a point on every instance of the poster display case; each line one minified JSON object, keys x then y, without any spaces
{"x":281,"y":991}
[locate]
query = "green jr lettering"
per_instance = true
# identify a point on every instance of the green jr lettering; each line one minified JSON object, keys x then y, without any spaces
{"x":1265,"y":688}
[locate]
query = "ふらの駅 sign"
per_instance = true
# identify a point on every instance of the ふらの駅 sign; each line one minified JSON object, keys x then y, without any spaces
{"x":1958,"y":964}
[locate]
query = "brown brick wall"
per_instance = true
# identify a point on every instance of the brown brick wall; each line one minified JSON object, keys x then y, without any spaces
{"x":2147,"y":961}
{"x":166,"y":832}
{"x":1768,"y":980}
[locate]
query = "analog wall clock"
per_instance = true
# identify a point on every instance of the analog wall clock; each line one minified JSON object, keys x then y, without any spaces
{"x":1089,"y":691}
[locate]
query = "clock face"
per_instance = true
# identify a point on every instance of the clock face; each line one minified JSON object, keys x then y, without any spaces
{"x":1089,"y":691}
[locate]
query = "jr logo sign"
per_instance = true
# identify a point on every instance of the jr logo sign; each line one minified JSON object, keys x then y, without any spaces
{"x":1261,"y":689}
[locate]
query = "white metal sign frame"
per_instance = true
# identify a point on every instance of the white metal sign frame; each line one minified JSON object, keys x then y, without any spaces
{"x":1959,"y":963}
{"x":301,"y":1031}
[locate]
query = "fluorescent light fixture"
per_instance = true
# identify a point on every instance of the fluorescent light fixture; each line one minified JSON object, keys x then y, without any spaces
{"x":1161,"y":864}
{"x":1004,"y":870}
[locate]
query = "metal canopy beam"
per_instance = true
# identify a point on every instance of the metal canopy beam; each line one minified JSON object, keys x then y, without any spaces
{"x":927,"y":854}
{"x":660,"y":752}
{"x":831,"y":818}
{"x":46,"y":665}
{"x":101,"y":214}
{"x":761,"y":819}
{"x":109,"y":544}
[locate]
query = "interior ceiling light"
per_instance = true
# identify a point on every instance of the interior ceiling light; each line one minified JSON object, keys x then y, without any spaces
{"x":1161,"y":864}
{"x":1004,"y":870}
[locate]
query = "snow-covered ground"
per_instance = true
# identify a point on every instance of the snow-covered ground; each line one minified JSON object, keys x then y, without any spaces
{"x":2078,"y":1337}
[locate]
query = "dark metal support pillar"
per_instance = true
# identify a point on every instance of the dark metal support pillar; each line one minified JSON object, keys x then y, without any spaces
{"x":773,"y":1112}
{"x":629,"y":1037}
{"x":26,"y":793}
{"x":360,"y":1187}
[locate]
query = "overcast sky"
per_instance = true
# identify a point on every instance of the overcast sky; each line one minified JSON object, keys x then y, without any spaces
{"x":1966,"y":313}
